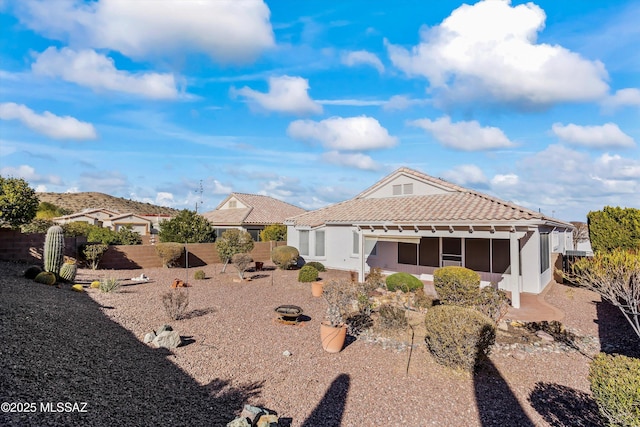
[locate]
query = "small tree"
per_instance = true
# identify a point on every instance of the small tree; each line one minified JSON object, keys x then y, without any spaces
{"x":48,"y":210}
{"x":233,"y":241}
{"x":103,"y":235}
{"x":169,"y":252}
{"x":274,"y":232}
{"x":126,"y":236}
{"x":241,"y":262}
{"x":581,"y":233}
{"x":37,"y":225}
{"x":615,"y":276}
{"x":77,"y":228}
{"x":187,"y":227}
{"x":18,"y":202}
{"x":93,"y":253}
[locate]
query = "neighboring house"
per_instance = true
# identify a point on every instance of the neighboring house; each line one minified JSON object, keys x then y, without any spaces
{"x":250,"y":212}
{"x":415,"y":223}
{"x":142,"y":224}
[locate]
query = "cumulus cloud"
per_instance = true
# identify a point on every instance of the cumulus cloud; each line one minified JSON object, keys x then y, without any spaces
{"x":28,"y":173}
{"x":629,"y":97}
{"x":345,"y":134}
{"x":48,"y":124}
{"x":608,"y":135}
{"x":105,"y":181}
{"x":489,"y":51}
{"x":227,"y":31}
{"x":286,"y":95}
{"x":466,"y":175}
{"x":91,"y":69}
{"x":362,"y":57}
{"x":355,"y":160}
{"x":466,"y":136}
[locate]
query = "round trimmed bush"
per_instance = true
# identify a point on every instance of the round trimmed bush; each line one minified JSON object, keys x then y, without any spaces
{"x":317,"y":265}
{"x":46,"y":277}
{"x":615,"y":384}
{"x":199,"y":275}
{"x":307,"y":274}
{"x":404,"y":282}
{"x":458,"y":337}
{"x":457,"y":285}
{"x":285,"y":257}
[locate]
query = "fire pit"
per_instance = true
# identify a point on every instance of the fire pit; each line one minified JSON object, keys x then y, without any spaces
{"x":288,"y":314}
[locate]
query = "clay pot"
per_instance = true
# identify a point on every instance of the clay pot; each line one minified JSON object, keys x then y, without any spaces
{"x":316,"y":289}
{"x":332,"y":337}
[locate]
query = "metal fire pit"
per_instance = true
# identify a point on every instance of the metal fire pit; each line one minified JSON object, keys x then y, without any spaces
{"x":288,"y":314}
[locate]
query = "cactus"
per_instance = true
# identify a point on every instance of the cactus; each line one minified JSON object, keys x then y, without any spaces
{"x":68,"y":271}
{"x":54,"y":249}
{"x":46,"y":277}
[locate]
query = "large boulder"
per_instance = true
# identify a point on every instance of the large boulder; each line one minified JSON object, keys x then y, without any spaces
{"x":167,"y":339}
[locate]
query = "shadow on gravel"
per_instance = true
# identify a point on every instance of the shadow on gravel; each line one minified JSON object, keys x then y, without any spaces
{"x":330,"y":410}
{"x":615,"y":332}
{"x":563,"y":406}
{"x":58,"y":346}
{"x":497,"y":405}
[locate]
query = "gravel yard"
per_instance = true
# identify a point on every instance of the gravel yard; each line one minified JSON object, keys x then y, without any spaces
{"x":62,"y":346}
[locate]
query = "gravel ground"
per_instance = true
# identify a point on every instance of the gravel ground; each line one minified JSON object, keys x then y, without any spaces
{"x":62,"y":346}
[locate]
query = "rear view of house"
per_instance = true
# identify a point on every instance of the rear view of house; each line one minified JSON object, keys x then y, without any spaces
{"x":412,"y":222}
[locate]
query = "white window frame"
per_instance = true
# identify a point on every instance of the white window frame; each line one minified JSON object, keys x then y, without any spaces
{"x":303,"y":246}
{"x":320,"y":239}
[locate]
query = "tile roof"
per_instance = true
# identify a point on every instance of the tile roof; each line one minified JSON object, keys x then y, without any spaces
{"x":458,"y":205}
{"x":261,"y":210}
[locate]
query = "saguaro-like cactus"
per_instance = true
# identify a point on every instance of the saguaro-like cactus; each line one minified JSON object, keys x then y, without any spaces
{"x":68,"y":271}
{"x":54,"y":249}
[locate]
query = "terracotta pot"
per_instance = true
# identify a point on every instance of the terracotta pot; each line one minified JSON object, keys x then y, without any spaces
{"x":316,"y":289}
{"x":332,"y":337}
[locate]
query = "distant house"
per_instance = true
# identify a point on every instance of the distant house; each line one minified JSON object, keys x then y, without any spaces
{"x":250,"y":212}
{"x":142,"y":224}
{"x":415,"y":223}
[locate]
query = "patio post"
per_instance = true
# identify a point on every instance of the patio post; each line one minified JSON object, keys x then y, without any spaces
{"x":514,"y":252}
{"x":361,"y":272}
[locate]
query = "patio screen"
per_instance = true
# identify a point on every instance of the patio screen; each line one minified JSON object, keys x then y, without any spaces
{"x":430,"y":251}
{"x":477,"y":254}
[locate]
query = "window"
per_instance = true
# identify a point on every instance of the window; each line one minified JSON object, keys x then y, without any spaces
{"x":430,"y":251}
{"x":501,"y":260}
{"x":233,"y":204}
{"x":304,"y":242}
{"x":219,"y":232}
{"x":356,"y":243}
{"x":408,"y":189}
{"x":544,"y":252}
{"x":477,"y":255}
{"x":407,"y":253}
{"x":555,"y":240}
{"x":397,"y":190}
{"x":255,"y":234}
{"x":451,"y":251}
{"x":319,"y":243}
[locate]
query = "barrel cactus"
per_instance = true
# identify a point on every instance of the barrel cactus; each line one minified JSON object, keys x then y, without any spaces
{"x":54,"y":249}
{"x":68,"y":271}
{"x":46,"y":277}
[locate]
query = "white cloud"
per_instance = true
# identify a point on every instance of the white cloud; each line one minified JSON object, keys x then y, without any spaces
{"x":105,"y":181}
{"x":608,"y":135}
{"x":466,"y":136}
{"x":219,"y":188}
{"x":48,"y":124}
{"x":91,"y":69}
{"x":164,"y":198}
{"x":352,"y":102}
{"x":286,"y":95}
{"x":362,"y":57}
{"x":28,"y":173}
{"x":509,"y":179}
{"x":356,"y":160}
{"x":629,"y":97}
{"x":489,"y":51}
{"x":402,"y":102}
{"x":339,"y":133}
{"x":466,"y":175}
{"x":227,"y":31}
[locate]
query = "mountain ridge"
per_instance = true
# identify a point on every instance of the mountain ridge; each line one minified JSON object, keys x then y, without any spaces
{"x":78,"y":202}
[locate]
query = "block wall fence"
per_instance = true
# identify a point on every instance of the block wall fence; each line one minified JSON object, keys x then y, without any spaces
{"x":28,"y":248}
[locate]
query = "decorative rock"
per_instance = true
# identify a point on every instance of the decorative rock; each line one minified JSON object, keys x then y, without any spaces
{"x":503,"y":326}
{"x":286,"y":353}
{"x":268,"y":420}
{"x":163,"y":328}
{"x":519,"y":355}
{"x":149,"y":337}
{"x":239,"y":422}
{"x":544,"y":336}
{"x":252,"y":413}
{"x":167,"y":339}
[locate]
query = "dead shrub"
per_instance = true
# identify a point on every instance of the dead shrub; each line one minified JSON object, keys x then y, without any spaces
{"x":391,"y":318}
{"x":175,"y":304}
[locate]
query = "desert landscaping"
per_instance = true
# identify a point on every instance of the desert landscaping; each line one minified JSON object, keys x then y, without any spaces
{"x":88,"y":347}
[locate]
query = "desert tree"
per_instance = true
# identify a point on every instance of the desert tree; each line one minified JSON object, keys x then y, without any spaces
{"x":18,"y":202}
{"x":233,"y":241}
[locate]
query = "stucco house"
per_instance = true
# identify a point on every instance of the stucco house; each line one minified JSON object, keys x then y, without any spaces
{"x":101,"y":217}
{"x":250,"y":212}
{"x":415,"y":223}
{"x":91,"y":216}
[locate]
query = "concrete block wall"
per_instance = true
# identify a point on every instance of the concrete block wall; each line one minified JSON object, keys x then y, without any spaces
{"x":28,"y":248}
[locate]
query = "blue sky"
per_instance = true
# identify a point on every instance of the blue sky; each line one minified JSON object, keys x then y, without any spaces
{"x":312,"y":101}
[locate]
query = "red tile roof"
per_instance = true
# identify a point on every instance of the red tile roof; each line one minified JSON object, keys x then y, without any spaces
{"x":261,"y":210}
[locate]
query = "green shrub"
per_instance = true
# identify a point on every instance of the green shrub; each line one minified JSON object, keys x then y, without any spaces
{"x":93,"y":252}
{"x":199,"y":275}
{"x":317,"y":265}
{"x":285,"y":257}
{"x":615,"y":384}
{"x":274,"y":232}
{"x":390,"y":317}
{"x":32,"y":271}
{"x":457,"y":285}
{"x":404,"y":282}
{"x":46,"y":277}
{"x":458,"y":337}
{"x":169,"y":252}
{"x":307,"y":274}
{"x":109,"y":284}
